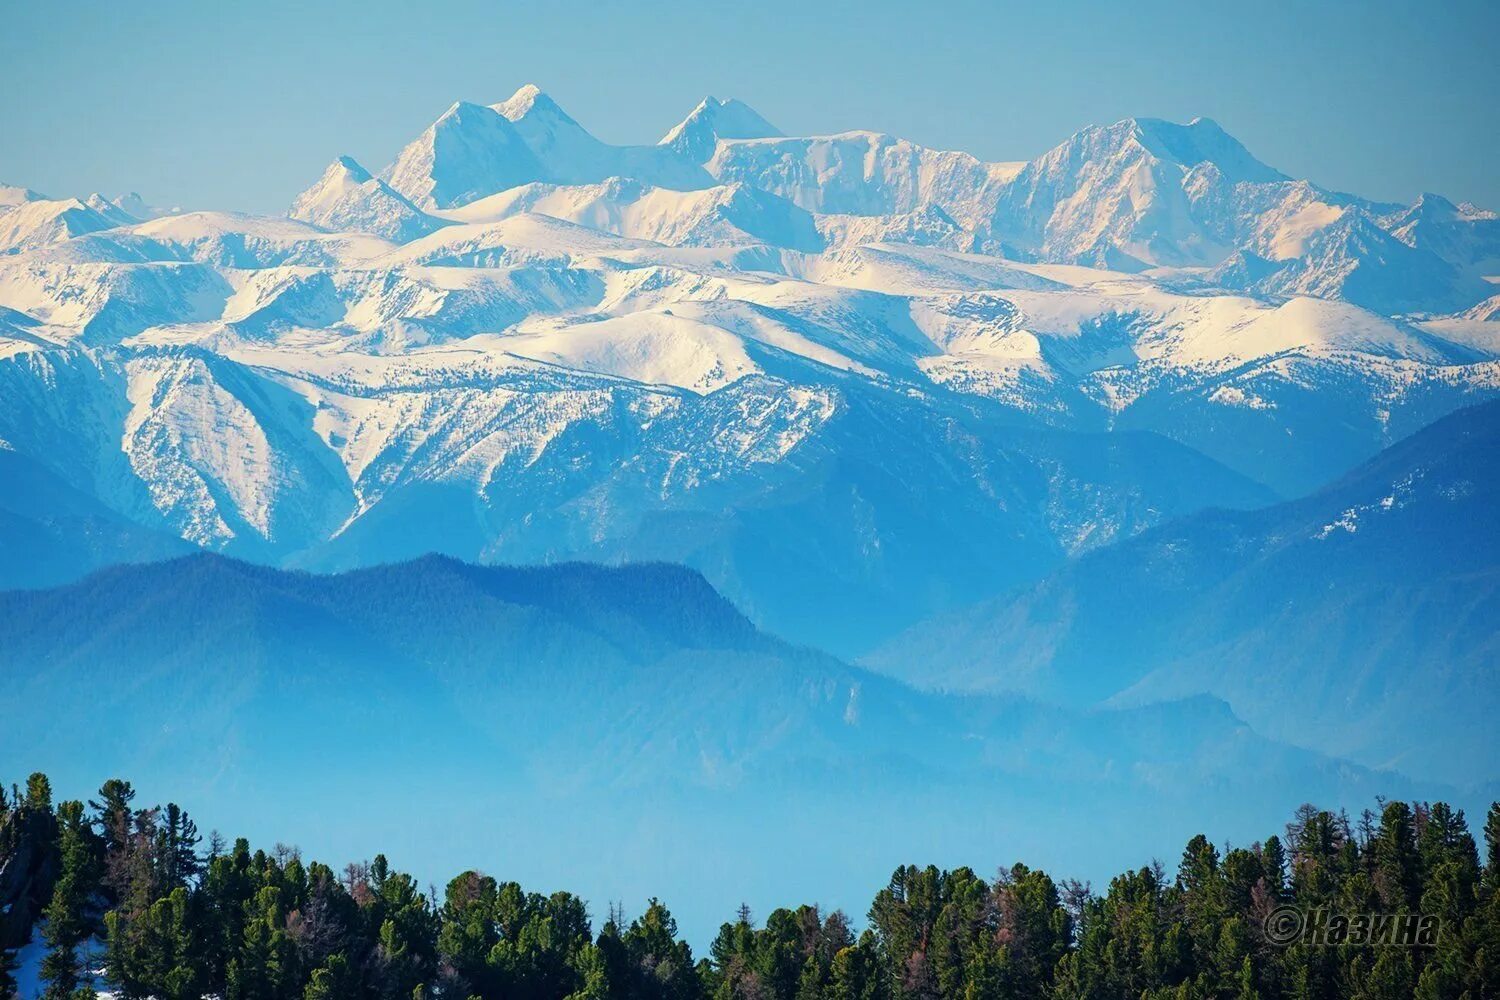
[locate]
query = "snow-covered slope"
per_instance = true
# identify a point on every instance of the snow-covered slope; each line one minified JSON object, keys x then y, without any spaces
{"x":899,"y":377}
{"x":864,"y":173}
{"x":348,"y":199}
{"x":37,"y":222}
{"x":1351,"y":257}
{"x":469,"y":152}
{"x":726,"y":215}
{"x":696,"y":136}
{"x":12,"y":195}
{"x":1128,"y":194}
{"x":1465,"y":236}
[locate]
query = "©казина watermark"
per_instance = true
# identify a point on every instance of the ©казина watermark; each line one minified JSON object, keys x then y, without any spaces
{"x":1321,"y":925}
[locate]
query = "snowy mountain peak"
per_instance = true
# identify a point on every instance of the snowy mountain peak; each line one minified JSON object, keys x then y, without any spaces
{"x":133,"y":205}
{"x":342,"y":172}
{"x":348,"y":198}
{"x":469,"y":152}
{"x":1427,"y":201}
{"x":350,"y":167}
{"x":1202,"y":140}
{"x":529,"y":100}
{"x":460,"y":113}
{"x":36,"y":223}
{"x":108,"y":209}
{"x":697,"y":134}
{"x":1431,"y":207}
{"x":1143,"y":189}
{"x":11,"y":195}
{"x":564,"y":150}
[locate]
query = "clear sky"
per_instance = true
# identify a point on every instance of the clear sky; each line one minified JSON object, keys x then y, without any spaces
{"x":241,"y":105}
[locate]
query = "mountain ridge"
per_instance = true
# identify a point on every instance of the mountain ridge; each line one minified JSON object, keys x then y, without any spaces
{"x":551,"y":702}
{"x":516,"y":342}
{"x":1341,"y":620}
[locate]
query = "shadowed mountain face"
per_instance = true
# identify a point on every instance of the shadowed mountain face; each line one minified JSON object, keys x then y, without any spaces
{"x":1363,"y":620}
{"x":628,"y":722}
{"x":835,"y":512}
{"x":51,"y":532}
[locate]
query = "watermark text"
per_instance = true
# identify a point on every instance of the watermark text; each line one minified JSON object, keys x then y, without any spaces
{"x":1322,"y":926}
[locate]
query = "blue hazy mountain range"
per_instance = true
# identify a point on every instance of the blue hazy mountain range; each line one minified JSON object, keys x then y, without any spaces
{"x":629,"y":726}
{"x":1362,"y":620}
{"x":625,"y":726}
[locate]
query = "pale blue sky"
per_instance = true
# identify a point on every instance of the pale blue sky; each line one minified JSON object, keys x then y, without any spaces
{"x":239,"y":106}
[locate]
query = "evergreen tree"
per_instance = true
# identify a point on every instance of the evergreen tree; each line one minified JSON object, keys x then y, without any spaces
{"x":660,"y":965}
{"x":38,"y":793}
{"x":1492,"y":848}
{"x":177,"y":848}
{"x":334,"y":980}
{"x":113,"y":814}
{"x":245,"y":925}
{"x":67,"y":917}
{"x":1397,"y":865}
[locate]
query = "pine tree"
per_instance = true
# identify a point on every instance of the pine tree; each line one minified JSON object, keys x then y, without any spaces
{"x":333,"y":981}
{"x":663,"y":964}
{"x":1397,"y":866}
{"x":177,"y":848}
{"x":264,"y":966}
{"x":66,"y":914}
{"x":113,"y":814}
{"x":1492,"y":849}
{"x":469,"y":933}
{"x":174,"y":948}
{"x":1273,"y":865}
{"x":1390,"y":979}
{"x":259,"y":926}
{"x":593,"y":975}
{"x":855,"y":971}
{"x":38,"y":793}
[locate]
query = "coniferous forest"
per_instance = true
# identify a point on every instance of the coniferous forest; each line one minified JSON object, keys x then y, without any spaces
{"x":1394,"y":903}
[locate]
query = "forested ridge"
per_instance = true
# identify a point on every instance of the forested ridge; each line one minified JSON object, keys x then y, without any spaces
{"x":136,"y":901}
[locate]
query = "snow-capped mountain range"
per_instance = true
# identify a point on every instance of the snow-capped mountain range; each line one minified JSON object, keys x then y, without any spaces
{"x":852,"y":379}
